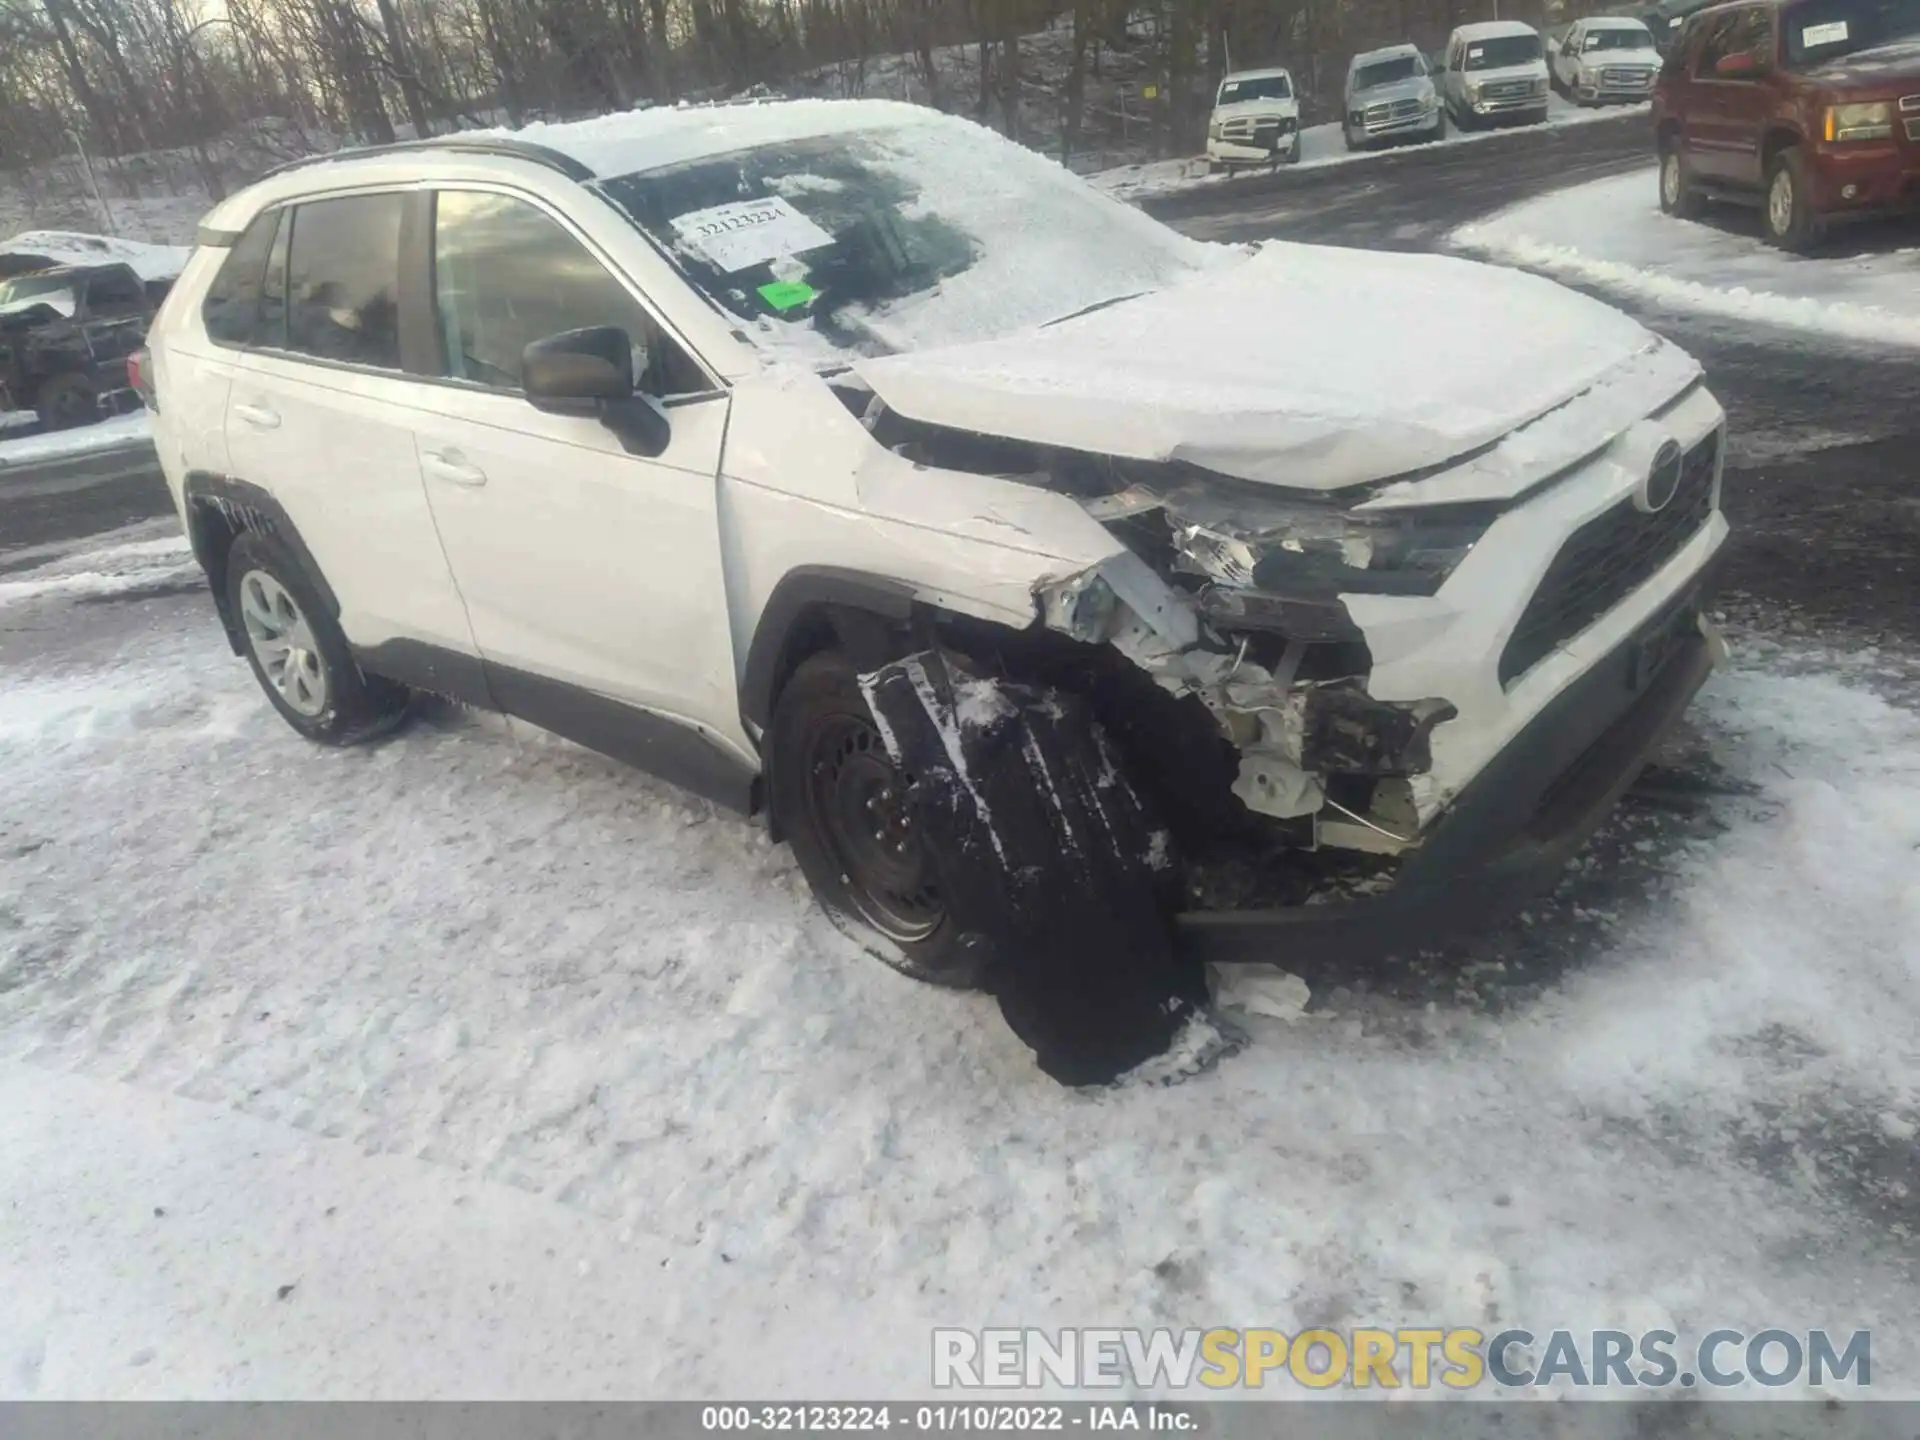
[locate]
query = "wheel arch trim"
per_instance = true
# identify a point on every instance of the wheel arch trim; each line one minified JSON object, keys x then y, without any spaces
{"x":215,"y":502}
{"x":860,"y":610}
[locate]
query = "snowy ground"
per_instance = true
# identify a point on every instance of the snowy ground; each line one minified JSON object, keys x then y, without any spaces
{"x":133,"y":429}
{"x":1319,"y":145}
{"x":1610,"y":233}
{"x":522,"y":1074}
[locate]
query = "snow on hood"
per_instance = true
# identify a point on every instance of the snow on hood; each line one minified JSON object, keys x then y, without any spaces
{"x":1264,"y":105}
{"x":1896,"y":60}
{"x":1305,"y":366}
{"x":1599,"y":59}
{"x":42,"y":249}
{"x":61,"y":302}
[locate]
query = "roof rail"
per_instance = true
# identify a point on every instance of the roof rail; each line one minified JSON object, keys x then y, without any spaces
{"x":503,"y":145}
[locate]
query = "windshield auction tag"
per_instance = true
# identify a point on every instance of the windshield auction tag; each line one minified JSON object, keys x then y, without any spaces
{"x":1474,"y":52}
{"x":1824,"y":34}
{"x":744,"y":233}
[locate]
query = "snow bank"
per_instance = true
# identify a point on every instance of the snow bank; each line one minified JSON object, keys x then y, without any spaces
{"x":116,"y":570}
{"x":1320,"y":145}
{"x":1610,"y":233}
{"x":66,"y":247}
{"x":120,"y":432}
{"x":534,"y":1077}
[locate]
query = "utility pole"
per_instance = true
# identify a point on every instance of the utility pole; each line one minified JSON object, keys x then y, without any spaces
{"x":93,"y":182}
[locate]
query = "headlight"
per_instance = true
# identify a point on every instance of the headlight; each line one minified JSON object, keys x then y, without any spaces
{"x":1860,"y":122}
{"x":1213,"y":130}
{"x":1304,"y":550}
{"x":1540,"y":87}
{"x":1473,"y":88}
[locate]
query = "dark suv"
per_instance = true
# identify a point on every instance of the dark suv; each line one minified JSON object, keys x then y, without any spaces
{"x":65,"y":335}
{"x":1808,"y":108}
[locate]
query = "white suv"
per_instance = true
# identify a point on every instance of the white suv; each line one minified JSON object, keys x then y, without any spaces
{"x":670,"y":431}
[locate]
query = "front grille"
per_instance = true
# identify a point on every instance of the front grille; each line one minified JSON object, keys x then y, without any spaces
{"x":1255,"y":132}
{"x":1606,"y":560}
{"x":1913,"y":129}
{"x":1910,"y":104}
{"x":1506,"y":89}
{"x":1394,"y":112}
{"x":1626,"y":78}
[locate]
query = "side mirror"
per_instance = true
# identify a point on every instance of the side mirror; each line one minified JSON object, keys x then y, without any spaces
{"x":590,"y":373}
{"x":577,"y":371}
{"x":1737,"y":65}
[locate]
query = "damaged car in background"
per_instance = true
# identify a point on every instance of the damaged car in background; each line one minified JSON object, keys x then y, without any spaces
{"x":1080,"y":601}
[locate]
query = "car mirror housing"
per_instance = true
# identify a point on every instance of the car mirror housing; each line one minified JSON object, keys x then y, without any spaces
{"x":590,"y":373}
{"x":576,"y":371}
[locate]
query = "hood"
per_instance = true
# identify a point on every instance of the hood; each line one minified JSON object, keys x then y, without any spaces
{"x":1414,"y":87}
{"x":1897,"y":62}
{"x":1645,"y":58}
{"x":1305,"y":366}
{"x":1525,"y":70}
{"x":20,"y":314}
{"x":1285,"y":109}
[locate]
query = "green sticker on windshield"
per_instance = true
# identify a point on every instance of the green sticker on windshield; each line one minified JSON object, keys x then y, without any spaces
{"x":787,"y":294}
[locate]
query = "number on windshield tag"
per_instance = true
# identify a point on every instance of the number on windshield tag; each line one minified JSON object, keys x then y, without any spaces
{"x":745,"y":233}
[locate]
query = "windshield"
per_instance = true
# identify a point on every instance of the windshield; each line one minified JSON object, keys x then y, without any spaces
{"x":55,"y":290}
{"x":1387,"y":72}
{"x":1501,"y":51}
{"x":884,"y":241}
{"x":1827,"y":29}
{"x":1259,"y":87}
{"x":1619,"y":37}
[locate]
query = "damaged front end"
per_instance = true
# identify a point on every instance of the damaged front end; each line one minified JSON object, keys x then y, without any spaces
{"x":1242,"y":610}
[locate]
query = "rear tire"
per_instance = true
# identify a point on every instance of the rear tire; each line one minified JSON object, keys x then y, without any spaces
{"x":1791,"y":222}
{"x":829,"y":780}
{"x":67,"y":401}
{"x":1678,"y":196}
{"x":297,"y":651}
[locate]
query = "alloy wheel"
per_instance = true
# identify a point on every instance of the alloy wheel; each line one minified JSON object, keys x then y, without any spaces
{"x":283,"y":643}
{"x":1780,"y":202}
{"x":1670,"y":179}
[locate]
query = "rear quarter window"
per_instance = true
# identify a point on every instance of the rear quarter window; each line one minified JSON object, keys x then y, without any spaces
{"x":343,"y":280}
{"x":231,"y":309}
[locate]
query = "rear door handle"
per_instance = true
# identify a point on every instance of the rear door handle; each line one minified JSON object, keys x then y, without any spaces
{"x":447,"y":465}
{"x":261,"y":417}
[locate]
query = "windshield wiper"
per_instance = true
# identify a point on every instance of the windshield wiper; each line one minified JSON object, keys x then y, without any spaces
{"x":1089,"y":309}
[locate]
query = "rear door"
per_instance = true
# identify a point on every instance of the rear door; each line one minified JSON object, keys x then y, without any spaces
{"x":317,"y":414}
{"x":580,"y":563}
{"x":1727,"y":104}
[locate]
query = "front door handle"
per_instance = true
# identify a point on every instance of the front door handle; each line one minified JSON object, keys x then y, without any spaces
{"x":447,"y":465}
{"x":261,"y":417}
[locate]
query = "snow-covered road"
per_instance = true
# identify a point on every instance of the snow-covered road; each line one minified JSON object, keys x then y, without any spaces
{"x":1610,"y":233}
{"x":533,"y":1077}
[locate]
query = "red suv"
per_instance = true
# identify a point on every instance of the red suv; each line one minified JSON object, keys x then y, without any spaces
{"x":1809,"y":108}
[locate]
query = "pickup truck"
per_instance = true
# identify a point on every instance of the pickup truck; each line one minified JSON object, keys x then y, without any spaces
{"x":65,"y":335}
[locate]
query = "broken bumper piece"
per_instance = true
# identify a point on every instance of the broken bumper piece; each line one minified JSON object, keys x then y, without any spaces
{"x":1507,"y":837}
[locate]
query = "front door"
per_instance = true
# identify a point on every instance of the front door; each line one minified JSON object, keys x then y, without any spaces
{"x":589,"y":573}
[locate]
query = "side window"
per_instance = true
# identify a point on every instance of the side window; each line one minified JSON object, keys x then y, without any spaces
{"x":1757,"y":38}
{"x":271,"y":329}
{"x":114,"y":294}
{"x":343,"y":280}
{"x":505,"y":274}
{"x":232,"y":306}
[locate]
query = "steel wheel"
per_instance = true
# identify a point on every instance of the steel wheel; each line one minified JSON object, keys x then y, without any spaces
{"x":283,"y":643}
{"x":859,"y":802}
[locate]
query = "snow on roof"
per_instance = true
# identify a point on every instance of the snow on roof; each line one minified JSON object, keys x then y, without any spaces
{"x":649,"y":139}
{"x":1385,"y":52}
{"x":1266,"y":74}
{"x":1494,"y":29}
{"x":40,"y":249}
{"x":1613,"y":22}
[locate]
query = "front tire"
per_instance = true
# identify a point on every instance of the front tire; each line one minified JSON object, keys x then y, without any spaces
{"x":67,"y":401}
{"x":297,"y":651}
{"x":1791,"y":221}
{"x":842,"y":805}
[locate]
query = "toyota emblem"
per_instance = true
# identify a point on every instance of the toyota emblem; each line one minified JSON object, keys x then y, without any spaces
{"x":1663,"y":479}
